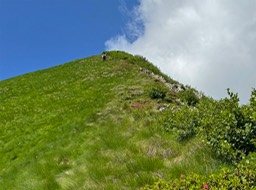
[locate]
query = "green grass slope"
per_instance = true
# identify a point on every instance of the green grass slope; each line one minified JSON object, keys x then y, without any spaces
{"x":90,"y":124}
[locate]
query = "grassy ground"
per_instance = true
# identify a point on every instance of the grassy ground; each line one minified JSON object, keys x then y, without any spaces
{"x":89,"y":124}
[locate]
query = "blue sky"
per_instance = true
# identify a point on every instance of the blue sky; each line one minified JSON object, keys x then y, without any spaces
{"x":37,"y":34}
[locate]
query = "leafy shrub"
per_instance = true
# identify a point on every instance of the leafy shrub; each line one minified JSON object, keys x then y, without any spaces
{"x":242,"y":177}
{"x":183,"y":121}
{"x":158,"y":92}
{"x":189,"y":97}
{"x":229,"y":128}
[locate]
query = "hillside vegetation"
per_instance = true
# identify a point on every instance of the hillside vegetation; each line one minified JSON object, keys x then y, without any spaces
{"x":119,"y":124}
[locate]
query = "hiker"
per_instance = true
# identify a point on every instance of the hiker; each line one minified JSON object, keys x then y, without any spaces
{"x":104,"y":56}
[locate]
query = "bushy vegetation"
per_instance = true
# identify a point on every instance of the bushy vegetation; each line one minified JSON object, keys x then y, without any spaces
{"x":182,"y":121}
{"x":189,"y":96}
{"x":158,"y":92}
{"x":229,"y":129}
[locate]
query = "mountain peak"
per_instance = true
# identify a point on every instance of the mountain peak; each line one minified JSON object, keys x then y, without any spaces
{"x":65,"y":126}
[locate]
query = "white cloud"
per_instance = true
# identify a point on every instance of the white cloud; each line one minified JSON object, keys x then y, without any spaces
{"x":210,"y":44}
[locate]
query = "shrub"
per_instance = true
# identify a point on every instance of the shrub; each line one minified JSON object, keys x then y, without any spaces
{"x":158,"y":92}
{"x":183,"y":121}
{"x":189,"y":97}
{"x":229,"y":128}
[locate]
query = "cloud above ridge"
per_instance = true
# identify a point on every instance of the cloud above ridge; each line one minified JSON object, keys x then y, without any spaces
{"x":210,"y":45}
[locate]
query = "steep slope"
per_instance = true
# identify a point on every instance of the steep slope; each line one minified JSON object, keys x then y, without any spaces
{"x":90,"y":124}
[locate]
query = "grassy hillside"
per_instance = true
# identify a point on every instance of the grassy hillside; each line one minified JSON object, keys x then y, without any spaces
{"x":90,"y":124}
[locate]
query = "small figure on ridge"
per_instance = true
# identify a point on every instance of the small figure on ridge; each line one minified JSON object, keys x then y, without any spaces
{"x":104,"y":56}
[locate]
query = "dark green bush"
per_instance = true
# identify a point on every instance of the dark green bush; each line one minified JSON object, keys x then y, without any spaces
{"x":158,"y":92}
{"x":189,"y":96}
{"x":229,"y":128}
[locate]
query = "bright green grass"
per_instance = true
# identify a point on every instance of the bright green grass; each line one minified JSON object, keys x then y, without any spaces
{"x":72,"y":127}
